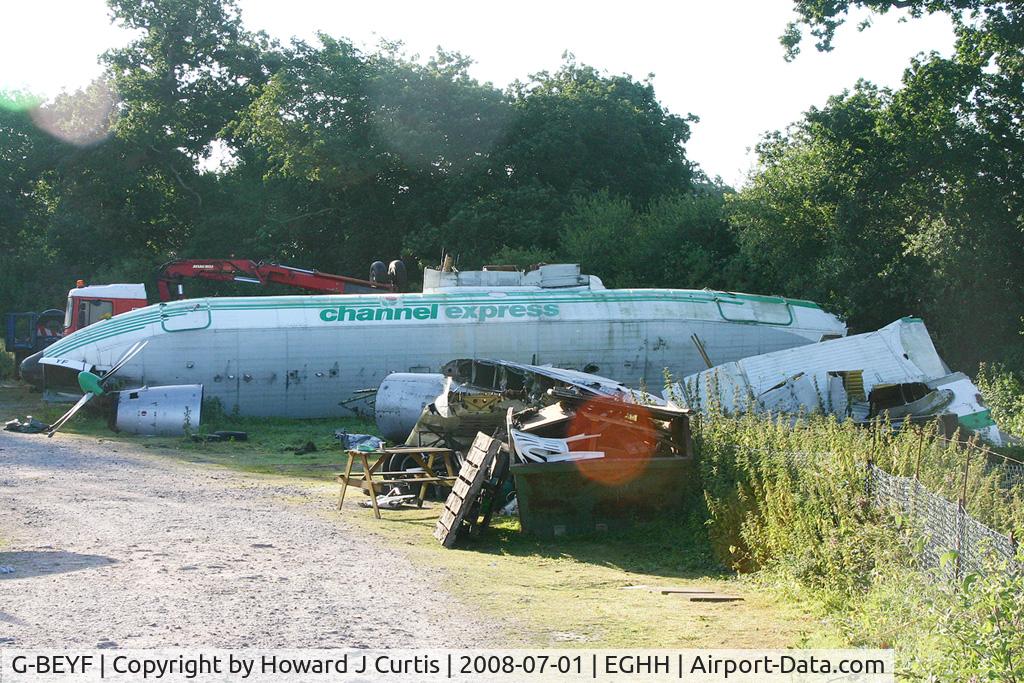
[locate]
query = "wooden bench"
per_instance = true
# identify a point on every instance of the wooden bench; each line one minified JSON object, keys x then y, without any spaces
{"x":370,"y":478}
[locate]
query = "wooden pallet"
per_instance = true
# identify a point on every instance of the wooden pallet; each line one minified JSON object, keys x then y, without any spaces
{"x":476,"y":468}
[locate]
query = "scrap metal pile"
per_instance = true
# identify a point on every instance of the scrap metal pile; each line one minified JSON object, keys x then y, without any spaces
{"x":556,"y":429}
{"x":479,"y":395}
{"x":509,"y":416}
{"x":893,"y":374}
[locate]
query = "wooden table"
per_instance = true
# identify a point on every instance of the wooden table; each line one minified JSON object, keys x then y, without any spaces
{"x":424,"y":456}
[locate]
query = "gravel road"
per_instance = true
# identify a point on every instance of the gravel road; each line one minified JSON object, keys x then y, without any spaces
{"x":114,"y":547}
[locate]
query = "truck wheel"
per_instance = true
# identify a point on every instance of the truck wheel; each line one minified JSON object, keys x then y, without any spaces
{"x":398,"y":276}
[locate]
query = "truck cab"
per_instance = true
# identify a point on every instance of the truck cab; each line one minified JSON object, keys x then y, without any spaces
{"x":90,"y":304}
{"x":29,"y":332}
{"x":26,"y":335}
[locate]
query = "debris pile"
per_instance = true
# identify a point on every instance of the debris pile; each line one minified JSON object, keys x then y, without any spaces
{"x":575,"y":452}
{"x":475,"y":396}
{"x":580,"y":427}
{"x":29,"y":426}
{"x":548,"y":426}
{"x":892,"y":374}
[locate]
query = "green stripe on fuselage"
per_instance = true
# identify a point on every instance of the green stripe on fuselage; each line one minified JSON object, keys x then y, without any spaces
{"x":978,"y":420}
{"x":136,"y":320}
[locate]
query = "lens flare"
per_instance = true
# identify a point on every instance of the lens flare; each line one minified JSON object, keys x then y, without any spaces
{"x":19,"y":101}
{"x":623,"y":431}
{"x":82,"y":118}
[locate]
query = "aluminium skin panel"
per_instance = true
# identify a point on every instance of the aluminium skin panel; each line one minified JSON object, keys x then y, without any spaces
{"x":293,"y":356}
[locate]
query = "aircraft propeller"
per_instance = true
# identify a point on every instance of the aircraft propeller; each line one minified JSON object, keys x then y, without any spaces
{"x":92,"y":385}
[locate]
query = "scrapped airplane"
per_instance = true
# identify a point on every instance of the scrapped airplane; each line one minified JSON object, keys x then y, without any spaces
{"x":310,"y":356}
{"x":893,"y":373}
{"x":474,"y":394}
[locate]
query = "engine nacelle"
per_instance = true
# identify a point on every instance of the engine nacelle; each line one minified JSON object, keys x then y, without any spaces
{"x":400,"y":401}
{"x":172,"y":410}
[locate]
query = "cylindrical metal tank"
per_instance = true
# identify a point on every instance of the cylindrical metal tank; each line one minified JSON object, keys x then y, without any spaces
{"x":160,"y":411}
{"x":400,"y":400}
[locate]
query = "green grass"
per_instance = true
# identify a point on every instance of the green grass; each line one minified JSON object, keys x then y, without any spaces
{"x":264,"y":451}
{"x":602,"y":590}
{"x":594,"y":591}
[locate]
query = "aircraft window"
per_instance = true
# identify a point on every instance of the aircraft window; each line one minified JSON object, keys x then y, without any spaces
{"x":484,"y":376}
{"x":777,"y":313}
{"x":769,"y":312}
{"x":22,"y":329}
{"x":514,"y":381}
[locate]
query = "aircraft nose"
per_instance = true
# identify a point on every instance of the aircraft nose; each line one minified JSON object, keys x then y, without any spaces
{"x":32,"y":370}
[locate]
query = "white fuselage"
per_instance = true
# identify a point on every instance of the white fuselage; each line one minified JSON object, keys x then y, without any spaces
{"x":307,"y":356}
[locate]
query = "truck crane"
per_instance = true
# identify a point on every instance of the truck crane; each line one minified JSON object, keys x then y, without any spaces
{"x":30,"y":332}
{"x":170,"y":287}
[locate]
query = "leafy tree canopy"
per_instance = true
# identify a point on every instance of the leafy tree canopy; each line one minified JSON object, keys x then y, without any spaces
{"x":205,"y":139}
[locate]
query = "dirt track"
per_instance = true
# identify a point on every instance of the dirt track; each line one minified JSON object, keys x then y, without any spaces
{"x":114,"y":547}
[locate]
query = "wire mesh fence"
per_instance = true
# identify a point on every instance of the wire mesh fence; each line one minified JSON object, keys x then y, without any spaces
{"x":1012,"y":473}
{"x":980,"y":480}
{"x":943,"y":525}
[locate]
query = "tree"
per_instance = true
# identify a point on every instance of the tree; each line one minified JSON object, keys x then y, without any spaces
{"x":27,"y":156}
{"x":680,"y":240}
{"x":824,"y":17}
{"x":579,"y":131}
{"x":376,"y":146}
{"x":187,"y":74}
{"x":882,"y":204}
{"x":570,"y":134}
{"x":957,"y":180}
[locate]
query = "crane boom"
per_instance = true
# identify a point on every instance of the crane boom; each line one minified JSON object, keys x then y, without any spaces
{"x":170,"y":277}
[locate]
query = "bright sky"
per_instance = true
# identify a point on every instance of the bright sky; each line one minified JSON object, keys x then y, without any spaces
{"x":718,"y":59}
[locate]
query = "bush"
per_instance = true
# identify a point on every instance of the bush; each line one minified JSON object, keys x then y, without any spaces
{"x":787,"y":498}
{"x":6,"y":363}
{"x":982,"y":621}
{"x":792,"y":499}
{"x":1004,"y":393}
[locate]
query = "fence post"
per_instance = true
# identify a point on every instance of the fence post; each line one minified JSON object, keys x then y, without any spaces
{"x":920,"y":447}
{"x":961,"y":514}
{"x":868,"y":480}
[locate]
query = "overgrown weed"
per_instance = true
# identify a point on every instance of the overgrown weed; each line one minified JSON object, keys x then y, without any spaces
{"x":788,"y":501}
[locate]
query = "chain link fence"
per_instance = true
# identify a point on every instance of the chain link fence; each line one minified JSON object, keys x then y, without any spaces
{"x":944,"y":525}
{"x":1012,"y":473}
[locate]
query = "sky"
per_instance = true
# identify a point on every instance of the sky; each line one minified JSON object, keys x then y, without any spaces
{"x":717,"y":59}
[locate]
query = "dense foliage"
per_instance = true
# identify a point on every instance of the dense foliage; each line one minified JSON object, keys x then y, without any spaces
{"x":794,"y":506}
{"x":205,"y":139}
{"x":214,"y":140}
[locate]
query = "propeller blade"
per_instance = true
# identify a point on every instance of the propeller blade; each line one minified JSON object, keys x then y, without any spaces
{"x":128,"y":355}
{"x":68,"y":415}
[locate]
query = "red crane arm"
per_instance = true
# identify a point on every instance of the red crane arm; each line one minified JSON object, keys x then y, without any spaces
{"x":170,"y":277}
